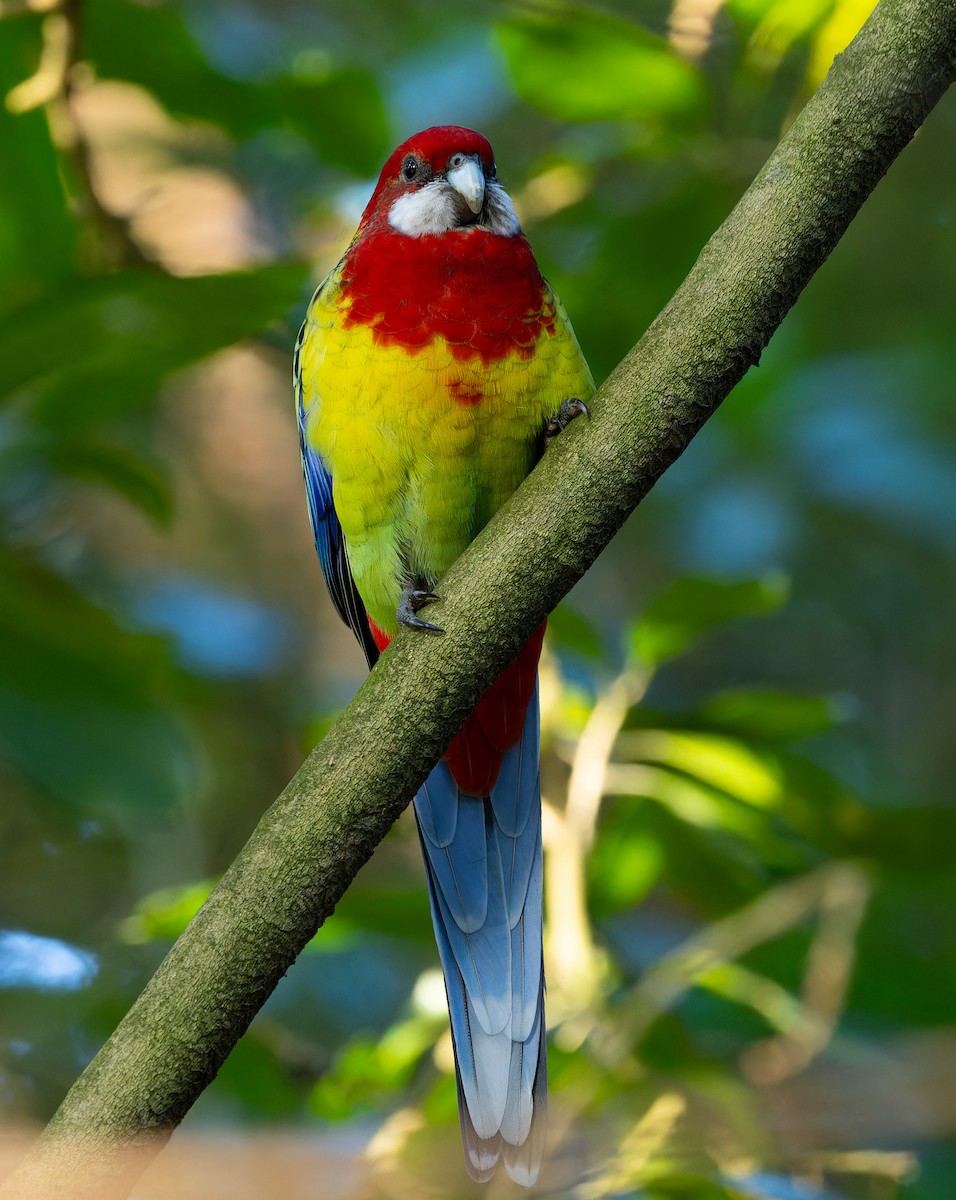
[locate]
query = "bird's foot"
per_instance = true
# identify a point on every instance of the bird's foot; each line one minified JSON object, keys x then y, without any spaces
{"x":570,"y":408}
{"x":414,"y":598}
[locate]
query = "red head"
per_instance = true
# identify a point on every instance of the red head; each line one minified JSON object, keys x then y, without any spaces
{"x":440,"y":180}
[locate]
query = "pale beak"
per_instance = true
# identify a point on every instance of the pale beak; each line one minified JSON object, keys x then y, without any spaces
{"x":468,"y":180}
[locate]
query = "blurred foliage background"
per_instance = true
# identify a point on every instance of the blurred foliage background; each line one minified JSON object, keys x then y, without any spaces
{"x":748,"y":704}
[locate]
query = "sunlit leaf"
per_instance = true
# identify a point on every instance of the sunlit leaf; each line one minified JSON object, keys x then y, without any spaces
{"x":568,"y":711}
{"x":664,"y":1182}
{"x":761,"y":715}
{"x":833,"y":37}
{"x":777,"y":24}
{"x":723,"y":762}
{"x":689,"y":608}
{"x":163,"y":915}
{"x":440,"y":1106}
{"x":739,"y":834}
{"x":696,"y":803}
{"x":366,"y":1074}
{"x":581,"y":65}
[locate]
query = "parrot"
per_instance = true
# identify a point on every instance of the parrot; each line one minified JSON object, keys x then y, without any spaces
{"x":433,"y":366}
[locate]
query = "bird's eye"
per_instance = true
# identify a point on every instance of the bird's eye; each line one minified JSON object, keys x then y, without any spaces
{"x":409,"y":168}
{"x":493,"y":171}
{"x":455,"y":161}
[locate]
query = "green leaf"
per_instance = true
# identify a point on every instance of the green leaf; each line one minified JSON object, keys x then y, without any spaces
{"x":111,"y":341}
{"x":36,"y":233}
{"x":571,"y":630}
{"x":579,"y":65}
{"x":163,"y":915}
{"x":80,"y":709}
{"x":689,"y":608}
{"x":668,"y":1183}
{"x":721,"y":762}
{"x":342,"y":115}
{"x":258,"y":1078}
{"x":366,"y":1075}
{"x":697,"y":802}
{"x":624,"y":864}
{"x":770,"y":715}
{"x":314,"y":730}
{"x":778,"y":24}
{"x":395,"y":912}
{"x":142,"y":481}
{"x":339,"y":111}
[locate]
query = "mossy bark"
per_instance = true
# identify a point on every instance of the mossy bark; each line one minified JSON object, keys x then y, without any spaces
{"x":325,"y":825}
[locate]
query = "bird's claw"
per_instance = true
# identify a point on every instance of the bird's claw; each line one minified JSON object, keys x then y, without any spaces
{"x":414,"y":598}
{"x":570,"y":408}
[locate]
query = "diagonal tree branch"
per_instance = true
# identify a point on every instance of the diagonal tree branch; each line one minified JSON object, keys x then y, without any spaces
{"x":326,"y":823}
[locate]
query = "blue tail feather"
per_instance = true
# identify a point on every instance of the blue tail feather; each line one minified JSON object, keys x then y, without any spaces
{"x":522,"y":1162}
{"x":518,"y":858}
{"x":527,"y":976}
{"x":483,"y":864}
{"x":438,"y":821}
{"x":460,"y":865}
{"x":516,"y":1122}
{"x":516,"y":795}
{"x":481,"y":1154}
{"x":482,"y":957}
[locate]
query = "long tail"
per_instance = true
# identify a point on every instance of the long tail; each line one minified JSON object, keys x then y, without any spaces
{"x":483,"y":861}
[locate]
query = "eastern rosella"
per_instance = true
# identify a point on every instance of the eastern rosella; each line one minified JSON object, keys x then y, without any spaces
{"x":430,"y":363}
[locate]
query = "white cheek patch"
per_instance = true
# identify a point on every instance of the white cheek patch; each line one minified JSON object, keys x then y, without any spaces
{"x":435,"y":208}
{"x":499,"y":216}
{"x":431,"y":209}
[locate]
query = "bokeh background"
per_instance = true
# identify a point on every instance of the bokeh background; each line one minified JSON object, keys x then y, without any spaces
{"x":749,"y":703}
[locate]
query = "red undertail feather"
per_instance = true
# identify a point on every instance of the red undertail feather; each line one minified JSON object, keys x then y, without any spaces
{"x":474,"y":756}
{"x":379,"y":637}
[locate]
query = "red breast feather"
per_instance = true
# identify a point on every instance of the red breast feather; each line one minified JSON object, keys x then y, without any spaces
{"x":486,"y":300}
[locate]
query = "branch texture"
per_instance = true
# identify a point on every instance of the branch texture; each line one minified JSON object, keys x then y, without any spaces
{"x":325,"y":825}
